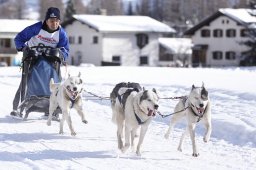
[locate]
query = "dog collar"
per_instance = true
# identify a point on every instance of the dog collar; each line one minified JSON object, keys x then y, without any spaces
{"x":140,"y":122}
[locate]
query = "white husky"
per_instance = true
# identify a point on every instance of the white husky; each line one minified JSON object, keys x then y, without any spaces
{"x":67,"y":95}
{"x":139,"y":109}
{"x":195,"y":107}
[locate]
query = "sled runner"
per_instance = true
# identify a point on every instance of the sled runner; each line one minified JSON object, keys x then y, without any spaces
{"x":39,"y":64}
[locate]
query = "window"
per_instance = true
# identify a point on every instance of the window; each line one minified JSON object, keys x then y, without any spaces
{"x":231,"y":33}
{"x":5,"y":43}
{"x":217,"y":33}
{"x":116,"y":59}
{"x":144,"y":60}
{"x":217,"y":55}
{"x":205,"y":33}
{"x":95,"y":39}
{"x":166,"y":57}
{"x":230,"y":55}
{"x":244,"y":32}
{"x":71,"y":39}
{"x":142,"y":40}
{"x":80,"y":40}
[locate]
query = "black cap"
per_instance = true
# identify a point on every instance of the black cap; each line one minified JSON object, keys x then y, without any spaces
{"x":52,"y":12}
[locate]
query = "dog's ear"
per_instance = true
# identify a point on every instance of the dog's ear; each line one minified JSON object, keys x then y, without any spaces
{"x":202,"y":84}
{"x":80,"y":81}
{"x":193,"y":86}
{"x":154,"y":90}
{"x":144,"y":96}
{"x":68,"y":74}
{"x":79,"y":74}
{"x":204,"y":94}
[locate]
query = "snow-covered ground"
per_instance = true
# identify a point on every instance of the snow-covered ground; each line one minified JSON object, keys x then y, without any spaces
{"x":32,"y":144}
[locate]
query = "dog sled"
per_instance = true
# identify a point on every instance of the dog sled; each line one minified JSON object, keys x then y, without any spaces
{"x":39,"y":64}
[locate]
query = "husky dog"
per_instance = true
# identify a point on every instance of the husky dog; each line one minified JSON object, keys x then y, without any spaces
{"x":67,"y":95}
{"x":139,"y":108}
{"x":196,"y":106}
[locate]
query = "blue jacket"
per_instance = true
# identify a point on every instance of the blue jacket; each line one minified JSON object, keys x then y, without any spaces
{"x":32,"y":31}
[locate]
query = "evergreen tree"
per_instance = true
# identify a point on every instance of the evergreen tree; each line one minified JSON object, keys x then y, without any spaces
{"x":249,"y":56}
{"x":70,"y":10}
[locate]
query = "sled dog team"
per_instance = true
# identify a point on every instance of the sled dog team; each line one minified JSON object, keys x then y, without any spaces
{"x":133,"y":109}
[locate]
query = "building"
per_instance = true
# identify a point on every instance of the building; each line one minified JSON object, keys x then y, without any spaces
{"x":8,"y":30}
{"x":175,"y":52}
{"x":115,"y":40}
{"x":217,"y":39}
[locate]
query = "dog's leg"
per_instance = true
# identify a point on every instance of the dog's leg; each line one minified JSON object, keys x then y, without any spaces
{"x":127,"y":139}
{"x":79,"y":108}
{"x":182,"y":139}
{"x":193,"y":139}
{"x":52,"y":107}
{"x":133,"y":135}
{"x":62,"y":122}
{"x":143,"y":131}
{"x":207,"y":122}
{"x":120,"y":127}
{"x":208,"y":126}
{"x":69,"y":121}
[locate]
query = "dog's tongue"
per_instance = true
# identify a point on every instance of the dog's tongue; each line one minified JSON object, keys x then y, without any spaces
{"x":151,"y":113}
{"x":200,"y":110}
{"x":73,"y":94}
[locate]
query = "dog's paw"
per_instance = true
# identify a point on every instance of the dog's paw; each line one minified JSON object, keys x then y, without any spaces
{"x":73,"y":133}
{"x":179,"y":149}
{"x":85,"y":121}
{"x":49,"y":123}
{"x":206,"y":140}
{"x":138,"y":153}
{"x":166,"y":136}
{"x":195,"y":154}
{"x":124,"y":149}
{"x":61,"y":132}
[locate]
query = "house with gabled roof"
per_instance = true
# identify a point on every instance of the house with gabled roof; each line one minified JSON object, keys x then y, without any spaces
{"x":8,"y":30}
{"x":217,"y":40}
{"x":115,"y":40}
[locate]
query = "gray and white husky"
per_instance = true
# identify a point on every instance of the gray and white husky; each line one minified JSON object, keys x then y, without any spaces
{"x":67,"y":95}
{"x":196,"y":106}
{"x":136,"y":112}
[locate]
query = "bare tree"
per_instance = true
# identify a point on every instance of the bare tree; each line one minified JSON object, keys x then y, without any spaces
{"x":110,"y":7}
{"x":45,"y":4}
{"x":144,"y":8}
{"x":13,"y":9}
{"x":79,"y":7}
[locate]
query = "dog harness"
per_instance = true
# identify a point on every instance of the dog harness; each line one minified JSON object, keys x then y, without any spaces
{"x":123,"y":97}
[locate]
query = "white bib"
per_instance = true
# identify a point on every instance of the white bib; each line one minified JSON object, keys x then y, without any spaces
{"x":46,"y":38}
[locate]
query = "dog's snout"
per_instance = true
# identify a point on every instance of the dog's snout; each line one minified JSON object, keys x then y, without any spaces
{"x":201,"y":105}
{"x":156,"y":106}
{"x":75,"y":88}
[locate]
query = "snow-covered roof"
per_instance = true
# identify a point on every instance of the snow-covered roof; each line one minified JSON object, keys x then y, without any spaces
{"x":242,"y":15}
{"x":105,"y":23}
{"x":177,"y":45}
{"x":14,"y":25}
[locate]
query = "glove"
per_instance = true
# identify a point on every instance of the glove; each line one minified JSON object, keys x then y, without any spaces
{"x":25,"y":49}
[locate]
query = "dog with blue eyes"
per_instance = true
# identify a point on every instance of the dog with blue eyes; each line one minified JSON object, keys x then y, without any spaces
{"x":67,"y":95}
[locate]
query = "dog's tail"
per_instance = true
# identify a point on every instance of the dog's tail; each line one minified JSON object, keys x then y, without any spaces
{"x":51,"y":85}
